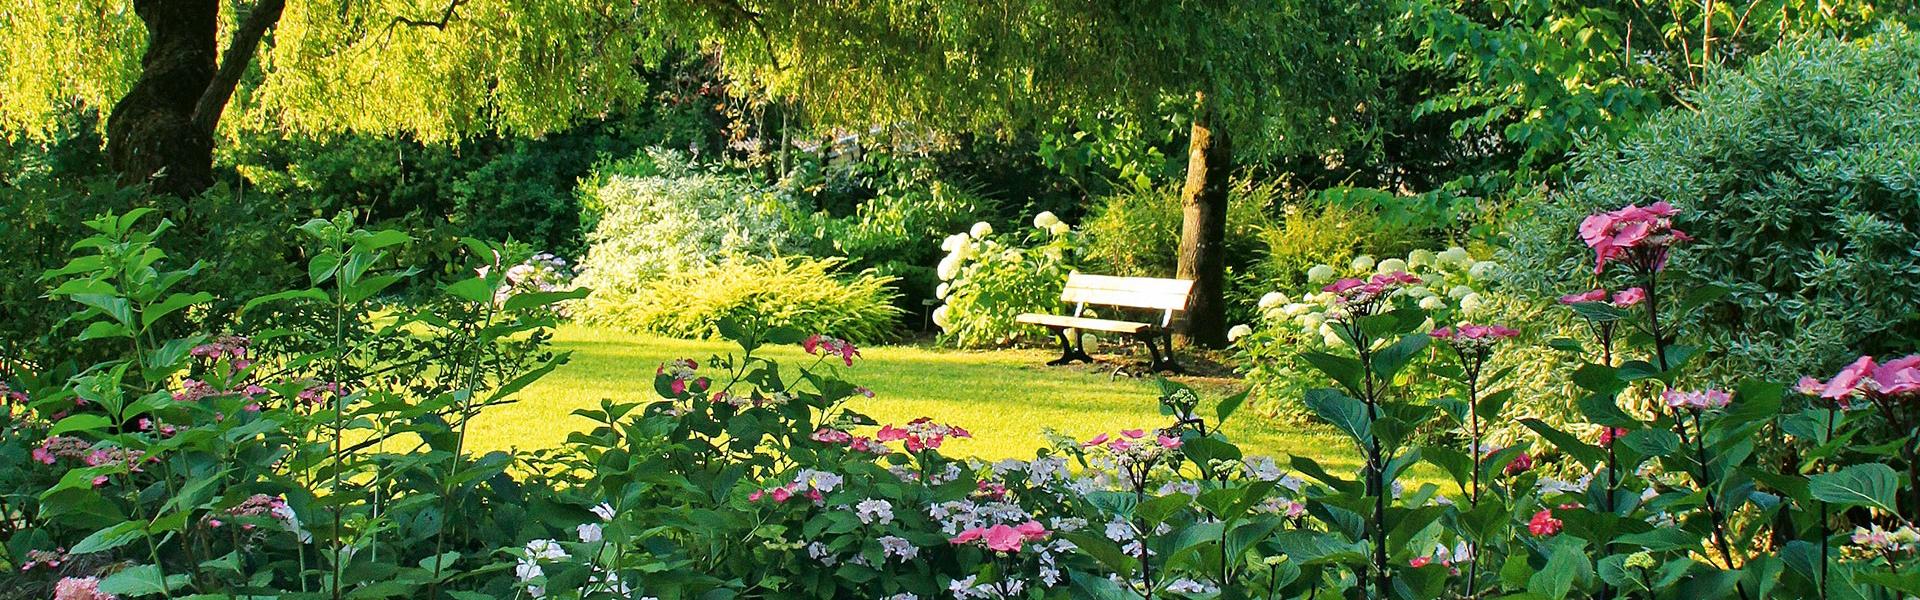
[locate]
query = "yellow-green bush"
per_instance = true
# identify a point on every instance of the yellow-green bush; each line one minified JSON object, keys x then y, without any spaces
{"x":806,"y":293}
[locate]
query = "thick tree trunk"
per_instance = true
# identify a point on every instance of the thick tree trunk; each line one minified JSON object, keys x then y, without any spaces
{"x":1203,"y":230}
{"x":161,"y":132}
{"x":151,"y":136}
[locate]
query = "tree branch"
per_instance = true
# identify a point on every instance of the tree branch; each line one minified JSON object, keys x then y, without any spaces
{"x":446,"y":16}
{"x":233,"y":63}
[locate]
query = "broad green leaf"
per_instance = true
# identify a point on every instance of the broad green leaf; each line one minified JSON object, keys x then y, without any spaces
{"x":173,"y":303}
{"x":1347,"y":414}
{"x":1872,"y":485}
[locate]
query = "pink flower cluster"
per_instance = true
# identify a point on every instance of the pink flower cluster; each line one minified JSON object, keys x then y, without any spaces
{"x":1696,"y":401}
{"x":1543,"y":524}
{"x":1621,"y":299}
{"x":1608,"y":435}
{"x":1356,"y":292}
{"x":164,"y":429}
{"x":80,"y":588}
{"x":1125,"y":441}
{"x":1895,"y":379}
{"x":318,"y":393}
{"x":233,"y":348}
{"x":856,"y":443}
{"x":921,"y":434}
{"x":8,"y":395}
{"x":809,"y":483}
{"x":682,"y":371}
{"x":257,"y":506}
{"x":59,"y":447}
{"x":1468,"y":337}
{"x":1002,"y":537}
{"x":1638,"y":235}
{"x":1519,"y":464}
{"x":44,"y":559}
{"x":194,"y":390}
{"x":829,"y":346}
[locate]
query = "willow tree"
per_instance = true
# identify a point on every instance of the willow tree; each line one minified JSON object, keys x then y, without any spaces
{"x":1251,"y":76}
{"x":1265,"y":74}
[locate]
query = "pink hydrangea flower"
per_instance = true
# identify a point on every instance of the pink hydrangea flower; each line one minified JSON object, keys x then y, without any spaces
{"x":80,"y":588}
{"x":921,"y":434}
{"x":1629,"y":297}
{"x":1519,"y":464}
{"x":1543,"y":524}
{"x":831,"y":346}
{"x":1596,"y":295}
{"x":1700,"y":400}
{"x":1640,"y":235}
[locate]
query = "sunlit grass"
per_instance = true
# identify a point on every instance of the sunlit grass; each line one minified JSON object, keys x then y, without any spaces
{"x":1007,"y":398}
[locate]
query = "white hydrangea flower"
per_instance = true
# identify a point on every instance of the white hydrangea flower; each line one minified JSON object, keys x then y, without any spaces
{"x":545,"y":550}
{"x":1391,"y":265}
{"x":949,"y":267}
{"x":953,"y":242}
{"x":1059,"y":228}
{"x":1272,"y":299}
{"x":1320,"y":274}
{"x":604,"y":511}
{"x":940,"y":318}
{"x":1313,"y":322}
{"x":1471,"y":303}
{"x":980,"y":230}
{"x":1432,"y":303}
{"x":1295,"y":309}
{"x":1239,"y":331}
{"x":941,"y":291}
{"x":873,"y":510}
{"x":590,"y":532}
{"x":1045,"y":220}
{"x":1456,"y":256}
{"x":1420,"y":258}
{"x":1362,"y":263}
{"x":1459,"y":291}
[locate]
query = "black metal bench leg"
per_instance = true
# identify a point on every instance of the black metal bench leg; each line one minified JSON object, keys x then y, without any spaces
{"x":1162,"y":360}
{"x":1069,"y":351}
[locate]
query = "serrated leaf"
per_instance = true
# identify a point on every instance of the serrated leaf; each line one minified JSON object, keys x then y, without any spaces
{"x":1872,"y":485}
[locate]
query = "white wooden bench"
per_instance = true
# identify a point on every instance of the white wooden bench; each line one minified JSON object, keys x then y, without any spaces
{"x":1135,"y":293}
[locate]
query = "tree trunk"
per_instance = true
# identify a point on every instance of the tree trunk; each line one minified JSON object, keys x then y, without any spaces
{"x":1203,"y":230}
{"x":161,"y":132}
{"x":151,"y":136}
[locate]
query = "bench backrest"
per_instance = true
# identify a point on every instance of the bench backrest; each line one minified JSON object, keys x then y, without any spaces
{"x":1166,"y":295}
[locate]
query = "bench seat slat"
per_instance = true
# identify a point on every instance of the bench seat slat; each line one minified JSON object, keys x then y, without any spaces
{"x":1133,"y":292}
{"x":1083,"y":323}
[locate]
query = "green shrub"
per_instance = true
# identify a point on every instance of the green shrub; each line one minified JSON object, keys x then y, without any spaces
{"x":1136,"y":232}
{"x":671,"y":218}
{"x":810,"y":294}
{"x":990,"y":278}
{"x":888,"y":233}
{"x":1798,"y":175}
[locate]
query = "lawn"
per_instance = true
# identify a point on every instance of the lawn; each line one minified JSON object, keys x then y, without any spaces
{"x":1005,"y":397}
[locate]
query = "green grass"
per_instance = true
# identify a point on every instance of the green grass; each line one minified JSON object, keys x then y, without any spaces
{"x":1005,"y":397}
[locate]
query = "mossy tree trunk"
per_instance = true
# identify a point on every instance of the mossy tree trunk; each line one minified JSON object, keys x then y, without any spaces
{"x":1203,"y":229}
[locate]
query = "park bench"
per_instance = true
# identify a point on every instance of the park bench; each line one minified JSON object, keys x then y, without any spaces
{"x":1127,"y":293}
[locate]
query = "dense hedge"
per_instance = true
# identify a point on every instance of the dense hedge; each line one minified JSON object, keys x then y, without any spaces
{"x":1801,"y":174}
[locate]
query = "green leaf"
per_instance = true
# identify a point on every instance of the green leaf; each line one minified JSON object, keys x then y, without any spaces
{"x":173,"y":303}
{"x":536,"y":299}
{"x":80,"y":422}
{"x":1389,"y":360}
{"x":109,"y":538}
{"x":1566,"y":563}
{"x":1347,"y":414}
{"x":306,"y":294}
{"x":474,"y":289}
{"x":1586,"y":453}
{"x":1652,"y":442}
{"x":1227,"y":406}
{"x":142,"y":580}
{"x":115,"y":307}
{"x":1345,"y":370}
{"x":1872,"y":485}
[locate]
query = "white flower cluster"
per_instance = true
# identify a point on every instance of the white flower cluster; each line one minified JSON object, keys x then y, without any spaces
{"x":1449,"y":279}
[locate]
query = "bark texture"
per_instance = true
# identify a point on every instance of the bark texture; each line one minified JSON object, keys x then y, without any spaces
{"x":161,"y":132}
{"x":1203,"y":228}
